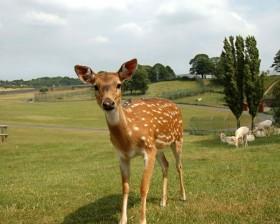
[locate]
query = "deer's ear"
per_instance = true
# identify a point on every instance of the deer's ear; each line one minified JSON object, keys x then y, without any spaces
{"x":127,"y":69}
{"x":85,"y":74}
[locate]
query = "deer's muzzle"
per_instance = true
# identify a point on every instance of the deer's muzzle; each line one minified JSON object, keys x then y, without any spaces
{"x":108,"y":104}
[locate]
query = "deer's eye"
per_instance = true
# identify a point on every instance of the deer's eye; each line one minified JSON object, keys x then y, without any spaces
{"x":96,"y":87}
{"x":119,"y":86}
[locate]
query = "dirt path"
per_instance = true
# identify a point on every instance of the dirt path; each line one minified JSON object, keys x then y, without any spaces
{"x":14,"y":125}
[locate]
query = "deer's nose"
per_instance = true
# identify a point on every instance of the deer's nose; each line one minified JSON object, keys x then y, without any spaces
{"x":108,"y":104}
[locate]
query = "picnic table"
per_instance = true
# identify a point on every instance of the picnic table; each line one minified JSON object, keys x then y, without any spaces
{"x":3,"y":133}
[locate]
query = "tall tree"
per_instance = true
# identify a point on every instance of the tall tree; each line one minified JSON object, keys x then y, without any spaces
{"x":216,"y":72}
{"x":254,"y":82}
{"x":233,"y":76}
{"x":276,"y":63}
{"x":201,"y":65}
{"x":160,"y":72}
{"x":138,"y":82}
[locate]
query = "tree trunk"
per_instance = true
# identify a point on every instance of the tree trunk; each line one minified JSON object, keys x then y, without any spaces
{"x":238,"y":122}
{"x":252,"y":122}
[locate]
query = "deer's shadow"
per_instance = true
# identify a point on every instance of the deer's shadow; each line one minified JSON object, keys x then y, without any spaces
{"x":103,"y":210}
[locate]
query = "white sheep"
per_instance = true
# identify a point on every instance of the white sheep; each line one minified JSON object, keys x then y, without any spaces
{"x":241,"y":135}
{"x":250,"y":137}
{"x":227,"y":139}
{"x":265,"y":125}
{"x":276,"y":131}
{"x":259,"y":133}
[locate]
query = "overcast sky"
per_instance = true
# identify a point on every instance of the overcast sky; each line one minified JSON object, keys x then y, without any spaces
{"x":48,"y":37}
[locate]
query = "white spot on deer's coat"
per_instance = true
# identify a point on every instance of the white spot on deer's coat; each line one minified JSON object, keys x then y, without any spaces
{"x":135,"y":128}
{"x":143,"y":138}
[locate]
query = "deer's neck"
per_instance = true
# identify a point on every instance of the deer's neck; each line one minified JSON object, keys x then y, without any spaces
{"x":114,"y":117}
{"x":117,"y":124}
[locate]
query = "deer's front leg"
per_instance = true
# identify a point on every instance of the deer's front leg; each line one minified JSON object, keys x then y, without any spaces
{"x":149,"y":159}
{"x":125,"y":173}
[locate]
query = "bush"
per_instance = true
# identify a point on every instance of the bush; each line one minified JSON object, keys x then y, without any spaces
{"x":44,"y":90}
{"x":173,"y":95}
{"x":276,"y":104}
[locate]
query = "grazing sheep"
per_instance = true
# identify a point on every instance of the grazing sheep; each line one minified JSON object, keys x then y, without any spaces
{"x":241,"y":135}
{"x":265,"y":125}
{"x":259,"y":133}
{"x":250,"y":137}
{"x":276,"y":131}
{"x":227,"y":139}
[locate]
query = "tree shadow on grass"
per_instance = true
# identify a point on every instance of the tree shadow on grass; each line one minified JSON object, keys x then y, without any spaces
{"x":103,"y":210}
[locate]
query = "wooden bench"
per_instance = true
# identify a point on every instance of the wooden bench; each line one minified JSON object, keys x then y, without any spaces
{"x":3,"y":133}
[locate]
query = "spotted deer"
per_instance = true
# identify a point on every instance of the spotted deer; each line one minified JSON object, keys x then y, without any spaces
{"x":138,"y":127}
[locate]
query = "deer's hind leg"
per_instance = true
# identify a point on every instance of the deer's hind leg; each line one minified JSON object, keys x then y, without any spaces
{"x":177,"y":152}
{"x":164,"y":166}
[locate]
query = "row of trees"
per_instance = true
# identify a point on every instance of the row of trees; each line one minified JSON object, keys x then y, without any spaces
{"x":139,"y":82}
{"x":42,"y":82}
{"x":146,"y":74}
{"x":203,"y":65}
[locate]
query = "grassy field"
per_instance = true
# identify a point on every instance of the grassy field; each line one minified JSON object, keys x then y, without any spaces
{"x":71,"y":177}
{"x":209,"y":98}
{"x":86,"y":114}
{"x":65,"y":173}
{"x":156,"y":89}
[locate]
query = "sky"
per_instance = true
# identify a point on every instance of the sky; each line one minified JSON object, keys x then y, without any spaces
{"x":48,"y":37}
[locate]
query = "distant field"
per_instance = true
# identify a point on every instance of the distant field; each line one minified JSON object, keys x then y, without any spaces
{"x":270,"y":79}
{"x":155,"y":89}
{"x":87,"y":114}
{"x":17,"y":109}
{"x":209,"y":98}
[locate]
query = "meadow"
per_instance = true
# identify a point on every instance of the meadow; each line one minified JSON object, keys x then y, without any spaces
{"x":58,"y":166}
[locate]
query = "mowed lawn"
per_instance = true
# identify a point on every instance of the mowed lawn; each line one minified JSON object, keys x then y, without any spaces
{"x":71,"y":176}
{"x":68,"y":174}
{"x":86,"y":114}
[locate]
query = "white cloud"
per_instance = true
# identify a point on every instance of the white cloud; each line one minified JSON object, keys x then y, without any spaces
{"x":99,"y":39}
{"x":42,"y":18}
{"x":247,"y":25}
{"x":131,"y":28}
{"x":200,"y":7}
{"x":88,"y":4}
{"x":216,"y":16}
{"x":110,"y":31}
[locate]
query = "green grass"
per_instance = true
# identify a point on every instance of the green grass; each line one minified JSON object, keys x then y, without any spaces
{"x":87,"y":114}
{"x":156,"y":89}
{"x":72,"y":176}
{"x":209,"y":98}
{"x":71,"y":114}
{"x":69,"y":175}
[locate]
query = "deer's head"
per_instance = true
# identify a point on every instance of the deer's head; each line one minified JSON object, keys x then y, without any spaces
{"x":107,"y":85}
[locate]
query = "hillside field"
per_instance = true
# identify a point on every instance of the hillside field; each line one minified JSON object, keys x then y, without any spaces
{"x":59,"y":167}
